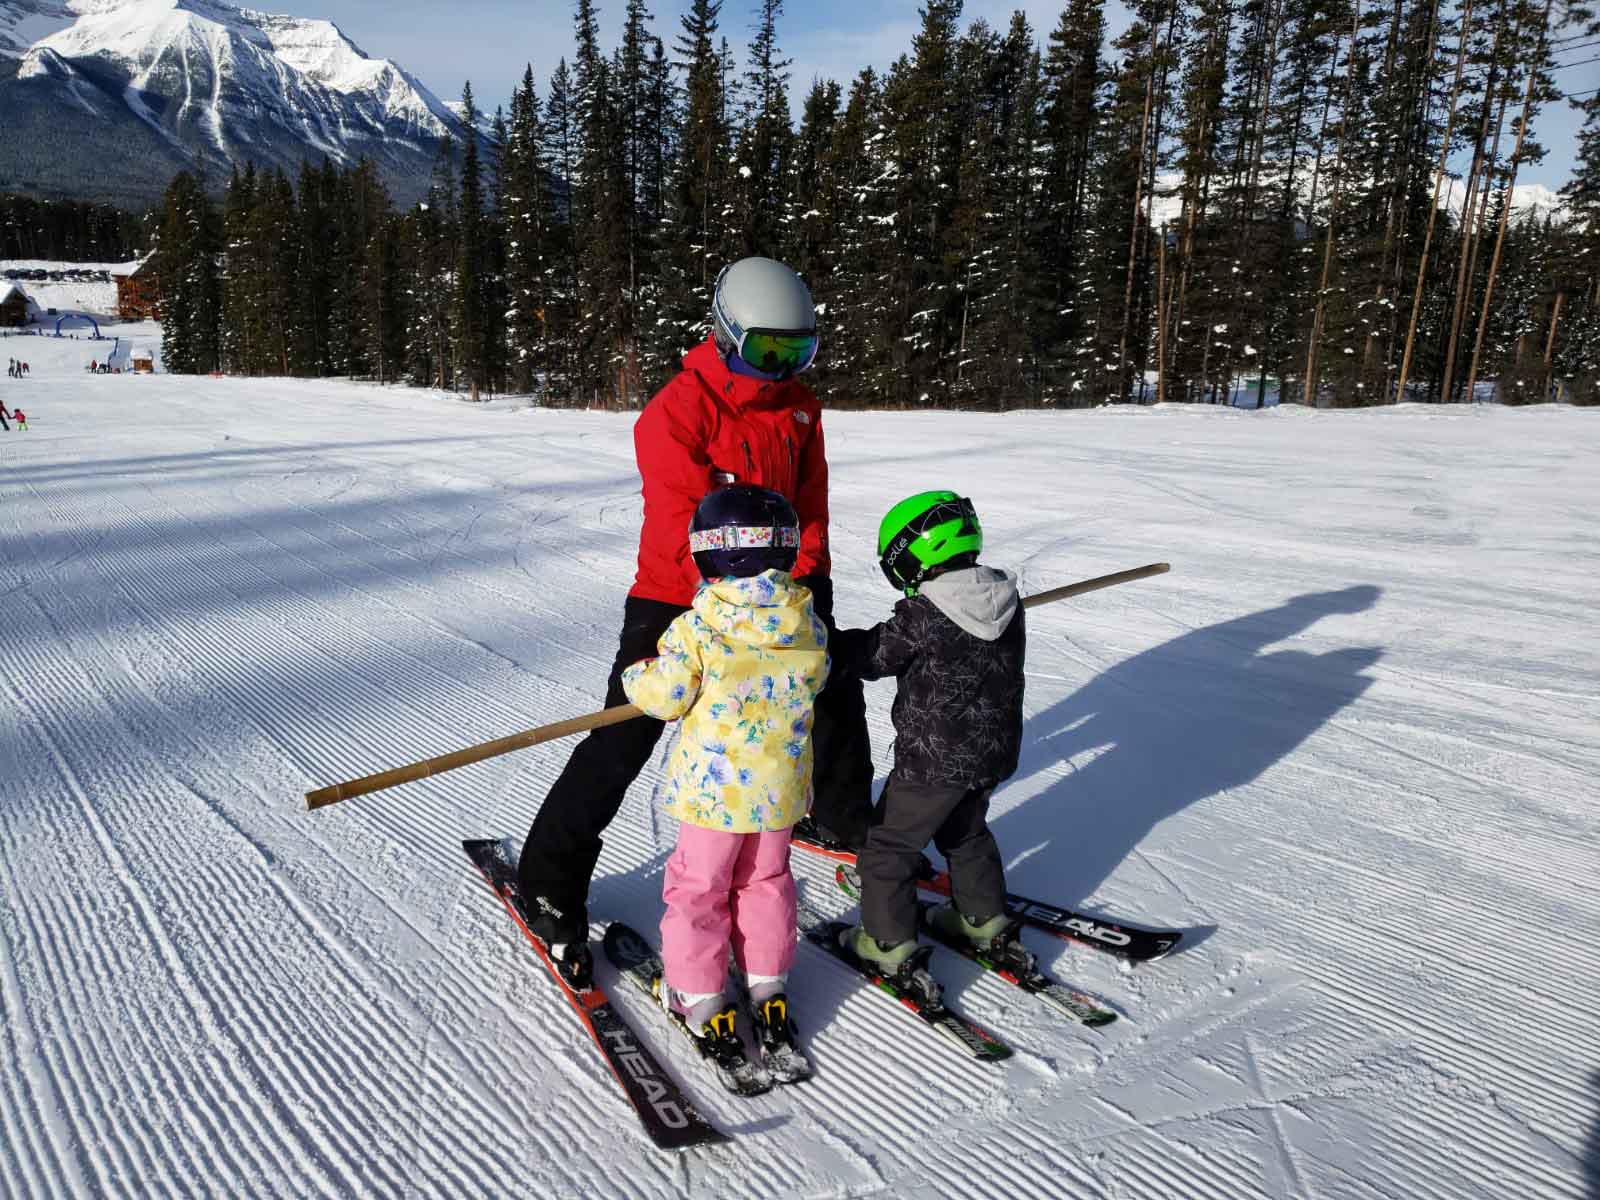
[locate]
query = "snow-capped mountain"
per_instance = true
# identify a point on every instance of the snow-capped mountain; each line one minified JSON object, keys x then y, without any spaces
{"x":109,"y":98}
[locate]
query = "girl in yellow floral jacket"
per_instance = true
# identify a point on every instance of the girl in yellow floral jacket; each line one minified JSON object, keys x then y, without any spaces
{"x":742,"y":668}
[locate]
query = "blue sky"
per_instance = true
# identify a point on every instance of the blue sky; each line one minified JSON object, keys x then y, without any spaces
{"x":490,"y":41}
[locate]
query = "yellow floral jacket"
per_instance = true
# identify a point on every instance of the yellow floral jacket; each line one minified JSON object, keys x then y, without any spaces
{"x":742,"y":668}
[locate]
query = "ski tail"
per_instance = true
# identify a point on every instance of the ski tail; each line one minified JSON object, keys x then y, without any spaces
{"x":721,"y":1048}
{"x":1129,"y":942}
{"x":669,"y":1120}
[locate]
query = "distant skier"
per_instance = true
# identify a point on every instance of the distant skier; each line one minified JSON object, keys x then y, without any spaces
{"x":742,"y":669}
{"x":20,"y":418}
{"x":956,"y":645}
{"x":3,"y":415}
{"x":735,"y":412}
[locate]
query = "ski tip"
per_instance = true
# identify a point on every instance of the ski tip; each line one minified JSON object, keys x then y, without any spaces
{"x":481,"y":850}
{"x":625,"y":946}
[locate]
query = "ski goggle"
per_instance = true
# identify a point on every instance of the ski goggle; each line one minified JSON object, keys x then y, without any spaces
{"x":775,"y":352}
{"x":778,"y":353}
{"x":744,"y":537}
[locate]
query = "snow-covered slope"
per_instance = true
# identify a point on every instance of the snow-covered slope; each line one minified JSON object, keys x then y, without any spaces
{"x":1350,"y":743}
{"x":211,"y":85}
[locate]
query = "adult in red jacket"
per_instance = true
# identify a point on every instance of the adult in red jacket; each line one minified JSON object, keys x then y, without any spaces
{"x":734,"y":413}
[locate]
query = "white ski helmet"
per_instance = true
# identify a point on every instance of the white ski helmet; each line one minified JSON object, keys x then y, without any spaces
{"x":762,"y":312}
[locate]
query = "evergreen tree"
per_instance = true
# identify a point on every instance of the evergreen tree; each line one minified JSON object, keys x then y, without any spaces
{"x":701,"y":191}
{"x":525,"y":214}
{"x":766,"y":143}
{"x":189,"y":246}
{"x":1072,"y":78}
{"x":470,"y":318}
{"x":240,"y":273}
{"x":561,"y":139}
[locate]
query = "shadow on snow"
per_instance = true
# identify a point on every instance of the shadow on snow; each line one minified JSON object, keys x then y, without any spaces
{"x":1207,"y":711}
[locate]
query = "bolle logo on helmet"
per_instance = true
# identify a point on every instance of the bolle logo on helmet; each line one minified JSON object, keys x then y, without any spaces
{"x":803,"y":417}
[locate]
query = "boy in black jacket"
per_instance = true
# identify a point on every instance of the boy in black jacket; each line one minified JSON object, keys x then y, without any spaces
{"x":956,"y":644}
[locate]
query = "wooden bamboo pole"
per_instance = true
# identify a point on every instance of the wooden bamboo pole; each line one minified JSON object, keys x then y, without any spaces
{"x":322,"y":797}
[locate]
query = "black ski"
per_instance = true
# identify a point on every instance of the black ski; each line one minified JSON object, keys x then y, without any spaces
{"x":1080,"y":1006}
{"x":669,"y":1119}
{"x":722,"y":1050}
{"x":972,"y":1038}
{"x":1127,"y":942}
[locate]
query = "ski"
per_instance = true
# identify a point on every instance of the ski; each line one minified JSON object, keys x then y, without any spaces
{"x":723,"y":1050}
{"x":972,"y":1038}
{"x":1129,"y":942}
{"x":1080,"y":1006}
{"x":669,"y":1119}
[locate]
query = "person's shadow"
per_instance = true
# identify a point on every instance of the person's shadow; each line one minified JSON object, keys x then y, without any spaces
{"x":1591,"y":1157}
{"x":1200,"y":714}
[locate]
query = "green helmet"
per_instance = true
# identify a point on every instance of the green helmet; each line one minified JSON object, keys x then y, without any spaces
{"x":925,"y":532}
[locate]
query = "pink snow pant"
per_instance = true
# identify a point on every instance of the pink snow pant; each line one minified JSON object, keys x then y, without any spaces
{"x":726,"y":889}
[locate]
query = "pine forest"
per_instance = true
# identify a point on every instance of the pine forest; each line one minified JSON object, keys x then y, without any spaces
{"x":1231,"y":201}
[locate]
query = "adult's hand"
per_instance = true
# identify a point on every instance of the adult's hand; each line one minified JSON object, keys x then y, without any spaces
{"x":821,"y":596}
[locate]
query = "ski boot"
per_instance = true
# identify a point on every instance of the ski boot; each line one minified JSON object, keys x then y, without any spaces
{"x":565,"y":937}
{"x":806,"y":829}
{"x":777,"y":1034}
{"x":712,"y":1025}
{"x":998,"y":939}
{"x":902,"y":965}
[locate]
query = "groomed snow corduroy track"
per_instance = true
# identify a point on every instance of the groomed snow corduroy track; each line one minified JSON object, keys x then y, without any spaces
{"x":1350,"y":743}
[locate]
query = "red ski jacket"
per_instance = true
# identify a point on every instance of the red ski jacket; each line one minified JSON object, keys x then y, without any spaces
{"x":710,"y":426}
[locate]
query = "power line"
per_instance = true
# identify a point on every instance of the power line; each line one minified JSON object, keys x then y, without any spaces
{"x":1582,"y":62}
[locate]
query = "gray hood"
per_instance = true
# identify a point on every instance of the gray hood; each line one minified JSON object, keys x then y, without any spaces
{"x":982,"y":600}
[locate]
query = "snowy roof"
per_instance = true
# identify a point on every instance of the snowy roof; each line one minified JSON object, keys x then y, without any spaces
{"x":7,"y":288}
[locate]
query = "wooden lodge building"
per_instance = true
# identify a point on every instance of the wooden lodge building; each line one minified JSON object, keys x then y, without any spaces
{"x":13,"y":304}
{"x":138,"y":294}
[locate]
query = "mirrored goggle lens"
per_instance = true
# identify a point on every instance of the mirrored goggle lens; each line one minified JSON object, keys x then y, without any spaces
{"x":778,"y":352}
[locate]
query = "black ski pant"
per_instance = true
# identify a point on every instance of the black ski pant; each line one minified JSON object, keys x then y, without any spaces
{"x":841,"y":747}
{"x":909,"y":815}
{"x":563,"y":845}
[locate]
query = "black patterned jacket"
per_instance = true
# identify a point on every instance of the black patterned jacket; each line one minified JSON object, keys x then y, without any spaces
{"x":958,"y":711}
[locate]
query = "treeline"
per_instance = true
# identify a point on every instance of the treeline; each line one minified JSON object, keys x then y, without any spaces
{"x":67,"y":230}
{"x":1306,"y":197}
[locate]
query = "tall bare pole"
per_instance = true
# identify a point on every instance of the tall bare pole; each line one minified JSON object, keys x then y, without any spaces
{"x":1469,"y":217}
{"x":1394,"y":226}
{"x":1433,"y":210}
{"x":1550,"y":345}
{"x":1138,"y":201}
{"x":1161,"y":318}
{"x":1505,"y":209}
{"x":1333,"y":211}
